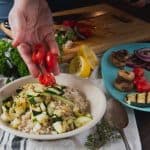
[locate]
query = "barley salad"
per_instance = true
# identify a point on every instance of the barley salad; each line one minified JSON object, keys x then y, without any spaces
{"x":38,"y":109}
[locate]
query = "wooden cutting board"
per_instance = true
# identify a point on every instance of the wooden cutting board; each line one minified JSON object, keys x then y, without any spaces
{"x":113,"y":27}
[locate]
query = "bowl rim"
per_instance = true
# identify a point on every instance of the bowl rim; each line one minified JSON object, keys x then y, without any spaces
{"x":62,"y":135}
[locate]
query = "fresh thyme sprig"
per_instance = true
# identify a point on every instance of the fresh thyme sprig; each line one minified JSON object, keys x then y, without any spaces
{"x":102,"y":134}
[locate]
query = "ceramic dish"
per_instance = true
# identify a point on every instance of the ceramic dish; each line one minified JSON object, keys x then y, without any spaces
{"x":109,"y":73}
{"x":94,"y":95}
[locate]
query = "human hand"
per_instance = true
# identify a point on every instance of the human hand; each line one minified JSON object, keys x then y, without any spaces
{"x":30,"y":23}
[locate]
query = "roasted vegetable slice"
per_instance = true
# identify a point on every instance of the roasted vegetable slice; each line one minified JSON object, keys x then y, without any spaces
{"x":139,"y":99}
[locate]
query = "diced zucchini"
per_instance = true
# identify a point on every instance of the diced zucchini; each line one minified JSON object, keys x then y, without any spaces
{"x":4,"y":108}
{"x":15,"y":123}
{"x":43,"y":107}
{"x":20,"y":107}
{"x":54,"y":91}
{"x":63,"y":99}
{"x":7,"y":103}
{"x":39,"y":88}
{"x":50,"y":109}
{"x":89,"y":115}
{"x":31,"y":93}
{"x":35,"y":113}
{"x":59,"y":87}
{"x":36,"y":127}
{"x":81,"y":121}
{"x":58,"y":126}
{"x":38,"y":99}
{"x":31,"y":99}
{"x":57,"y":112}
{"x":5,"y":117}
{"x":56,"y":118}
{"x":42,"y":118}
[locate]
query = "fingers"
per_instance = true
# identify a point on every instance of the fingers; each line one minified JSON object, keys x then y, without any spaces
{"x":51,"y":42}
{"x":54,"y":49}
{"x":18,"y":24}
{"x":26,"y":53}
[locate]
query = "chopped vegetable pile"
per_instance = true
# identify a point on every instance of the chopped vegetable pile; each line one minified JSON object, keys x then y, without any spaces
{"x":72,"y":31}
{"x":11,"y":64}
{"x":46,"y":110}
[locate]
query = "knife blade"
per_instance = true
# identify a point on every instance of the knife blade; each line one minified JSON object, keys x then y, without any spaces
{"x":77,"y":17}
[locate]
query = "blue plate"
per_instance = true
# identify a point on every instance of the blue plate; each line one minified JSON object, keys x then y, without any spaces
{"x":109,"y":73}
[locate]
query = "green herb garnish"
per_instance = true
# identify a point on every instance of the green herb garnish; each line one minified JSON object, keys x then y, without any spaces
{"x":102,"y":135}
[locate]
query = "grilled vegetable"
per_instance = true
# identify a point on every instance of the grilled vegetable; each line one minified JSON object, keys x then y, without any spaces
{"x":139,"y":99}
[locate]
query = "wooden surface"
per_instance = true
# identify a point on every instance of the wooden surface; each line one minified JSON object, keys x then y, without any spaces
{"x":109,"y":30}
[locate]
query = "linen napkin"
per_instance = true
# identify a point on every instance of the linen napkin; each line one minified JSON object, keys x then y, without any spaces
{"x":12,"y":142}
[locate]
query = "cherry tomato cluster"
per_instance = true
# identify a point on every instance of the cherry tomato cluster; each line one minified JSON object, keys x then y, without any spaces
{"x":42,"y":57}
{"x":82,"y":27}
{"x":140,"y":82}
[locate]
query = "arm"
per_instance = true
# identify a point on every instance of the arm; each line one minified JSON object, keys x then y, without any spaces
{"x":31,"y":23}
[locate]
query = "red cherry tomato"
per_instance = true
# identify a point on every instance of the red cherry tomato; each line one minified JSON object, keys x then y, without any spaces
{"x":139,"y":80}
{"x":47,"y":79}
{"x":143,"y":87}
{"x":138,"y":72}
{"x":38,"y":55}
{"x":51,"y":60}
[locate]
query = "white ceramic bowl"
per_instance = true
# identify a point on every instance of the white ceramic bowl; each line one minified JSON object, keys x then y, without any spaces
{"x":94,"y":95}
